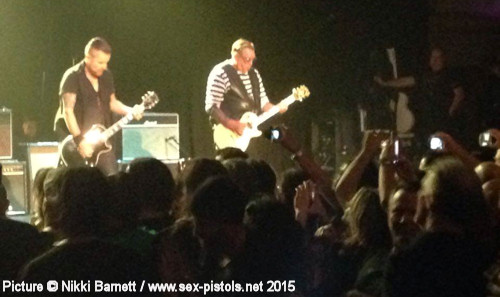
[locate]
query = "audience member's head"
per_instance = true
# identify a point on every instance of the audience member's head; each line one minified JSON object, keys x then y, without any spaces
{"x":242,"y":174}
{"x":367,"y":221}
{"x":51,"y":189}
{"x":275,"y":244}
{"x":429,"y":158}
{"x":195,"y":173}
{"x":153,"y":185}
{"x":451,"y":198}
{"x":266,"y":177}
{"x":401,"y":210}
{"x":38,"y":198}
{"x":79,"y":209}
{"x":487,"y":171}
{"x":123,"y":205}
{"x":230,"y":153}
{"x":218,"y":207}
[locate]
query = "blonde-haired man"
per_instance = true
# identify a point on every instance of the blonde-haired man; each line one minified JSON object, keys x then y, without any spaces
{"x":235,"y":87}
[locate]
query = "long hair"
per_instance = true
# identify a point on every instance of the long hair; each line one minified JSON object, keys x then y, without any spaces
{"x":367,"y":221}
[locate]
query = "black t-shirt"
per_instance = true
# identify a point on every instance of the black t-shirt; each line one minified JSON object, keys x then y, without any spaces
{"x":91,"y":107}
{"x":437,"y":90}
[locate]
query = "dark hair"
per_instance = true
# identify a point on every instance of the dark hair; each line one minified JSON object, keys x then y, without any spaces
{"x":153,"y":183}
{"x":80,"y":206}
{"x":367,"y":221}
{"x":242,"y":174}
{"x":197,"y":171}
{"x":123,"y":205}
{"x":230,"y":153}
{"x":266,"y":177}
{"x":458,"y":196}
{"x":220,"y":200}
{"x":272,"y":232}
{"x":98,"y":43}
{"x":194,"y":174}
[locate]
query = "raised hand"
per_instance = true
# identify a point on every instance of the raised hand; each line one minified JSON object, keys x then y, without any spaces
{"x":372,"y":140}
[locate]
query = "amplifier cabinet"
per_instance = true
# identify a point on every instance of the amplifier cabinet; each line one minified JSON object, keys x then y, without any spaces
{"x":5,"y":133}
{"x":157,"y":136}
{"x":40,"y":155}
{"x":15,"y":182}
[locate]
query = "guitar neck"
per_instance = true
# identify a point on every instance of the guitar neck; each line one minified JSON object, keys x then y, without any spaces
{"x":117,"y":126}
{"x":274,"y":110}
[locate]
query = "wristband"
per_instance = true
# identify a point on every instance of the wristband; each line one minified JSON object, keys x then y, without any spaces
{"x":77,"y":139}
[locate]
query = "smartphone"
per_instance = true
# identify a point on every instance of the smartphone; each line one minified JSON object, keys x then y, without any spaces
{"x":486,"y":140}
{"x":275,"y":134}
{"x":436,"y":143}
{"x":396,"y":147}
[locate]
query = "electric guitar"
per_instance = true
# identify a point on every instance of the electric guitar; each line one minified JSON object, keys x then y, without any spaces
{"x":98,"y":137}
{"x":224,"y":137}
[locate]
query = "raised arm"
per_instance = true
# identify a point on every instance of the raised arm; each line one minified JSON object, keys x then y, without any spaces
{"x":313,"y":170}
{"x":398,"y":83}
{"x":459,"y":151}
{"x":349,"y":181}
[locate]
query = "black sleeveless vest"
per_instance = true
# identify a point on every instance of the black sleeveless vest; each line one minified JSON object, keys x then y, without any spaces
{"x":236,"y":100}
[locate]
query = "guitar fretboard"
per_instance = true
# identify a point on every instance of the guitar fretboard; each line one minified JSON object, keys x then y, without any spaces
{"x":274,"y":110}
{"x":117,"y":126}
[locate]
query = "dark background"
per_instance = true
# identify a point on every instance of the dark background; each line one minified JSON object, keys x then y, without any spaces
{"x":171,"y":46}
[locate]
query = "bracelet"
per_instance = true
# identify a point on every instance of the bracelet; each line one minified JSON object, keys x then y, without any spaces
{"x":77,"y":139}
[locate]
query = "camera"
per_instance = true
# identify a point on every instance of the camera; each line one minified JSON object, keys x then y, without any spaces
{"x":274,"y":134}
{"x":487,"y":140}
{"x":436,"y":143}
{"x":396,"y":147}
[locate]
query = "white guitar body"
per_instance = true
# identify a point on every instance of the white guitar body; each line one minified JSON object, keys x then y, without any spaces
{"x":224,"y":137}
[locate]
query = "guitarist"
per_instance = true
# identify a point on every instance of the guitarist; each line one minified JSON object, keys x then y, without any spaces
{"x":235,"y":87}
{"x":87,"y":97}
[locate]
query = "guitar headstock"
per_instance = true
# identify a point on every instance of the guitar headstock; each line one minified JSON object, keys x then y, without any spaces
{"x":150,"y":99}
{"x":301,"y":92}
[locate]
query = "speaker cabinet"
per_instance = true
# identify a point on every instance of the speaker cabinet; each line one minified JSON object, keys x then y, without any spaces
{"x":5,"y":134}
{"x":40,"y":155}
{"x":15,"y":182}
{"x":156,"y":136}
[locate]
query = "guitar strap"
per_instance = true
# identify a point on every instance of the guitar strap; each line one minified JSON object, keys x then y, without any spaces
{"x":236,"y":100}
{"x":255,"y":89}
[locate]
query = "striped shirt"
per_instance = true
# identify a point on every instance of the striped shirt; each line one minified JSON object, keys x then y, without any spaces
{"x":218,"y":84}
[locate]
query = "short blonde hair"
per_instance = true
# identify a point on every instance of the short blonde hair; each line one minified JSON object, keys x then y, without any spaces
{"x":240,"y":44}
